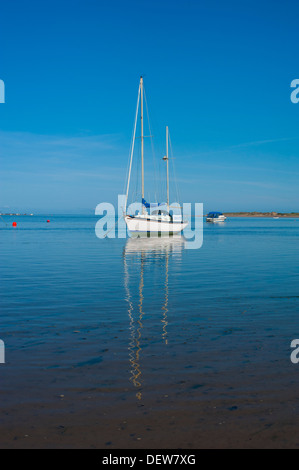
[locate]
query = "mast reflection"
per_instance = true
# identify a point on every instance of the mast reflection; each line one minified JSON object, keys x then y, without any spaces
{"x":138,"y":255}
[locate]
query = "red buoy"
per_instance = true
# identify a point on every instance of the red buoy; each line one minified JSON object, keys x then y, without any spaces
{"x":14,"y":224}
{"x":48,"y":221}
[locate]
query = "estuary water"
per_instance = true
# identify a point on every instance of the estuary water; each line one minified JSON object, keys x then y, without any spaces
{"x":143,"y":343}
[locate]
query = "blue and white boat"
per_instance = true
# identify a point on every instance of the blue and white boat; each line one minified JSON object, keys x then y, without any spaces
{"x":215,"y":217}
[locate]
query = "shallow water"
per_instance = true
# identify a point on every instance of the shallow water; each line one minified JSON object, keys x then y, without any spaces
{"x":133,"y":342}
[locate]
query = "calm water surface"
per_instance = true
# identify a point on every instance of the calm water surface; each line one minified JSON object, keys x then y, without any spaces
{"x":104,"y":331}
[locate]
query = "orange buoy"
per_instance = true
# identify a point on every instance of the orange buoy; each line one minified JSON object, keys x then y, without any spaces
{"x":14,"y":224}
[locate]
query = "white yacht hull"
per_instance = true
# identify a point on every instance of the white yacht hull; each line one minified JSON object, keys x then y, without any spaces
{"x":143,"y":226}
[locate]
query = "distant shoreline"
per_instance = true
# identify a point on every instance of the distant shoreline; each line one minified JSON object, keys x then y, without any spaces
{"x":262,"y":214}
{"x":227,"y":214}
{"x":15,"y":214}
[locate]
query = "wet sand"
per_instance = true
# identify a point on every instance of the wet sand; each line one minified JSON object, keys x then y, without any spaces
{"x":248,"y":423}
{"x":249,"y":406}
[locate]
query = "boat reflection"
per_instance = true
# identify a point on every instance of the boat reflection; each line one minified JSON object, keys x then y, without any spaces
{"x":138,"y":256}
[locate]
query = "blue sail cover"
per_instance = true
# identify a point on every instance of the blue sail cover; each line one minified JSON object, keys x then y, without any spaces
{"x":152,"y":204}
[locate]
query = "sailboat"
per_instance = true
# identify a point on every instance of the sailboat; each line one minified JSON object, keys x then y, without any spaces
{"x":157,"y":222}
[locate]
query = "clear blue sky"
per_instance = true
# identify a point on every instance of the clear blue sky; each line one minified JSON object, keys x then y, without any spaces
{"x":217,"y":73}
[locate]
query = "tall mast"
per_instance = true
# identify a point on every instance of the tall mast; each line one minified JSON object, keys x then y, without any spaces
{"x":132,"y":150}
{"x":142,"y":138}
{"x":167,"y":167}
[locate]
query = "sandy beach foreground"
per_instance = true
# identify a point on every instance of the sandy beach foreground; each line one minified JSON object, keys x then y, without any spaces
{"x":266,"y":420}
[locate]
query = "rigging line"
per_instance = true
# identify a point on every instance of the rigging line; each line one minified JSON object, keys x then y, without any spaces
{"x":160,"y":180}
{"x":137,"y":194}
{"x":127,"y":170}
{"x":161,"y":169}
{"x":152,"y":146}
{"x":174,"y":173}
{"x":132,"y":149}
